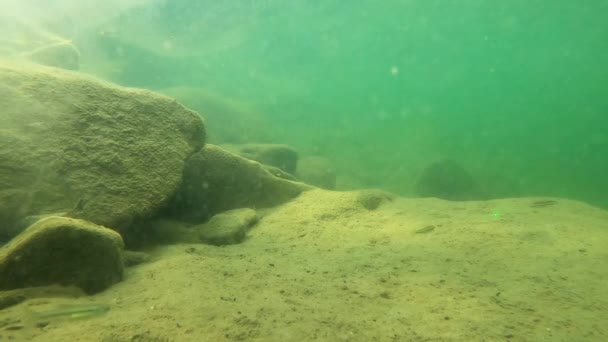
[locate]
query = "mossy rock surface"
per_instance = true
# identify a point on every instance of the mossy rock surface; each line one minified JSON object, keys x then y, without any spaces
{"x":228,"y":228}
{"x":216,"y":180}
{"x":63,"y":251}
{"x":73,"y":144}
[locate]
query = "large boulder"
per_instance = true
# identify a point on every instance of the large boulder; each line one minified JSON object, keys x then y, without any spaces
{"x":216,"y":180}
{"x":64,"y":251}
{"x":84,"y":148}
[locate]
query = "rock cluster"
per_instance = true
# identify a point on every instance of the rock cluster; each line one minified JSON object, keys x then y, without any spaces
{"x":86,"y":166}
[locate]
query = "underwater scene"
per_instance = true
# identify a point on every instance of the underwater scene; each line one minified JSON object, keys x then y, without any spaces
{"x":266,"y":170}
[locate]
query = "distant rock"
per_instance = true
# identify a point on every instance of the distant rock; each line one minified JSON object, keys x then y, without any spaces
{"x":64,"y":251}
{"x":447,"y":179}
{"x":317,"y":171}
{"x":281,"y":156}
{"x":216,"y":180}
{"x":227,"y":228}
{"x":83,"y":148}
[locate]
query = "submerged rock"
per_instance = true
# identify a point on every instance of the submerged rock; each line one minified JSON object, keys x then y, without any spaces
{"x":64,"y":251}
{"x":278,"y":155}
{"x":228,"y":228}
{"x":75,"y":145}
{"x":216,"y":180}
{"x":447,"y":179}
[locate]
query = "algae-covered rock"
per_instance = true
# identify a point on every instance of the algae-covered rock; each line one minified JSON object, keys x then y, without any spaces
{"x":228,"y":228}
{"x":75,"y":145}
{"x":64,"y":251}
{"x":216,"y":180}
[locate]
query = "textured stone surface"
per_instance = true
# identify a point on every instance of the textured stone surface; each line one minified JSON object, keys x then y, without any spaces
{"x":65,"y":251}
{"x":216,"y":180}
{"x":228,"y":228}
{"x":75,"y":145}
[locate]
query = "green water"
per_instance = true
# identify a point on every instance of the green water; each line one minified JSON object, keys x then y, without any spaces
{"x":514,"y":91}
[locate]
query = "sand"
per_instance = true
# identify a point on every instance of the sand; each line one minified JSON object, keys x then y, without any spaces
{"x":324,"y":268}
